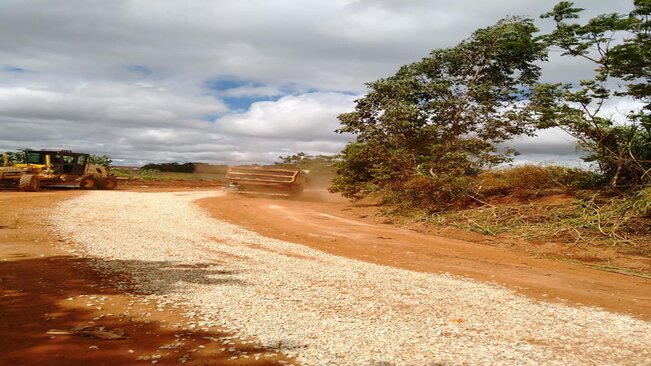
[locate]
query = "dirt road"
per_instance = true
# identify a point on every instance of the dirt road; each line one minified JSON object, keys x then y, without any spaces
{"x":327,"y":223}
{"x":326,"y":309}
{"x":44,"y":286}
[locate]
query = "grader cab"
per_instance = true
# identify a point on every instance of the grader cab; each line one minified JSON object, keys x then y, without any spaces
{"x":267,"y":181}
{"x":55,"y":168}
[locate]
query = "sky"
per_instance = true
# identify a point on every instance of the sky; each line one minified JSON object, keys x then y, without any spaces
{"x":229,"y":81}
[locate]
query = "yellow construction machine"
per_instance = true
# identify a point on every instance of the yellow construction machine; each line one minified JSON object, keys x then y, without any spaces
{"x":54,"y":168}
{"x":265,"y":180}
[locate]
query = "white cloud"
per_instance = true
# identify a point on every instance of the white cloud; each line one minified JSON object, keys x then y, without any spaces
{"x":127,"y":78}
{"x":305,"y":116}
{"x":139,"y":124}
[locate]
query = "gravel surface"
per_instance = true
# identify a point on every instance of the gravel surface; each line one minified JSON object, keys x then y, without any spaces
{"x":329,"y":310}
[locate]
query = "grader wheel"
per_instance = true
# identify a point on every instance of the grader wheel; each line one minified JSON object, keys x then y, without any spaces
{"x":88,"y":183}
{"x":108,"y":183}
{"x":29,"y":183}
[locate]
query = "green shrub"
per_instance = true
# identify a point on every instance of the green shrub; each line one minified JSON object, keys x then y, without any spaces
{"x":431,"y":194}
{"x":642,"y":202}
{"x":531,"y":180}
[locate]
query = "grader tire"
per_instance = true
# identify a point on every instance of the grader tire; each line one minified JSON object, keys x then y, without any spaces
{"x":88,"y":183}
{"x":107,"y":183}
{"x":29,"y":183}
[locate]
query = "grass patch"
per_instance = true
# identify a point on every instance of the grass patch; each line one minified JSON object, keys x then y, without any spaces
{"x":151,"y":174}
{"x":593,"y":220}
{"x":529,"y":181}
{"x":535,"y":203}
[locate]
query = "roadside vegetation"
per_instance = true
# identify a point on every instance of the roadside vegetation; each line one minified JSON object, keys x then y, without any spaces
{"x":557,"y":210}
{"x":428,"y":140}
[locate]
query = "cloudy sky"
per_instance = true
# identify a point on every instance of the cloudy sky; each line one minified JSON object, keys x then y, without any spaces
{"x":228,"y":81}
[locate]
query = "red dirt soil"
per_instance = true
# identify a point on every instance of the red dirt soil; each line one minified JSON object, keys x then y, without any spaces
{"x":43,"y":288}
{"x":331,"y":224}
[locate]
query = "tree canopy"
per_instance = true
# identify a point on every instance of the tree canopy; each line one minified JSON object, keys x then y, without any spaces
{"x":424,"y":132}
{"x":104,"y":160}
{"x":619,"y":45}
{"x":446,"y":112}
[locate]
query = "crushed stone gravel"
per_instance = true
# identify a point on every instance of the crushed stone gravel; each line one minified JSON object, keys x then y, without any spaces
{"x":329,"y":310}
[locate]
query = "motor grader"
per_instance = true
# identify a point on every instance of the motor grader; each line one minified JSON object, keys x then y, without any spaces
{"x":266,"y":181}
{"x":48,"y":168}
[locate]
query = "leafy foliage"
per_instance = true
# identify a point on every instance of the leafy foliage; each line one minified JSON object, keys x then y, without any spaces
{"x":621,"y":150}
{"x":356,"y":171}
{"x":445,"y":113}
{"x":101,"y":160}
{"x":17,"y":157}
{"x":641,"y":202}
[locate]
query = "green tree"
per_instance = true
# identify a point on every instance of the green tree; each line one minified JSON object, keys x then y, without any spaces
{"x":444,"y":114}
{"x":619,"y":45}
{"x":101,"y":160}
{"x":294,"y":159}
{"x":17,"y":157}
{"x":302,"y":160}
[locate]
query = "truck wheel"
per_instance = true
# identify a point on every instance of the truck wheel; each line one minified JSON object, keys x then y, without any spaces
{"x":107,"y":183}
{"x":29,"y":183}
{"x":88,"y":183}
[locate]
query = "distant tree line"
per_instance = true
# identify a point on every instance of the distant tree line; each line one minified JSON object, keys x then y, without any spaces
{"x":304,"y":161}
{"x":170,"y":167}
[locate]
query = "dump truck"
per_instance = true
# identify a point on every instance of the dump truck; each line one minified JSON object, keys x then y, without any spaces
{"x":54,"y":168}
{"x":264,"y":180}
